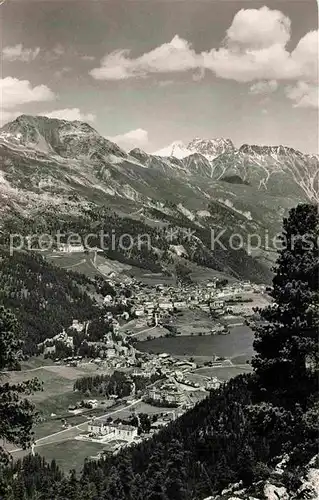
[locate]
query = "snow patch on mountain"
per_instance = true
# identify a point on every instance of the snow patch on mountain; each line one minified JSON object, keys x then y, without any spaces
{"x":211,"y":148}
{"x":186,"y":212}
{"x":230,"y":204}
{"x":177,"y":149}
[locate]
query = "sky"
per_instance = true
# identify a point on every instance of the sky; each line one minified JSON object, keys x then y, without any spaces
{"x":146,"y":73}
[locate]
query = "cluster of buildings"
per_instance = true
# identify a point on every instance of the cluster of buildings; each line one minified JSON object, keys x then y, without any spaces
{"x":154,"y":303}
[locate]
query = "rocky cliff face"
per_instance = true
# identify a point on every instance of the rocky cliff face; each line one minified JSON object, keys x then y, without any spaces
{"x":211,"y":148}
{"x":306,"y":486}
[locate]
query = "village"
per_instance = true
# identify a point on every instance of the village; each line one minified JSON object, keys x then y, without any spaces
{"x":172,"y":384}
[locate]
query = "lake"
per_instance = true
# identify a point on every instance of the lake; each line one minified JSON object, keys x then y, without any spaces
{"x":238,"y":344}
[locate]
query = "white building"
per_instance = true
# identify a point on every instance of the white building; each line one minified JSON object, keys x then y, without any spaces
{"x":217,"y":304}
{"x":139,"y":312}
{"x":112,"y":431}
{"x":49,"y":349}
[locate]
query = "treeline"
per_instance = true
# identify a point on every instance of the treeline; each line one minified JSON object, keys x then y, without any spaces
{"x":118,"y":384}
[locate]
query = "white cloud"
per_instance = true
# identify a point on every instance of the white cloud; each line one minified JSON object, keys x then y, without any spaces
{"x":174,"y":56}
{"x":303,"y":95}
{"x":264,"y":87}
{"x":259,"y":28}
{"x":58,"y":50}
{"x":306,"y":55}
{"x":15,"y":92}
{"x":70,"y":114}
{"x":254,"y":51}
{"x":248,"y":65}
{"x":19,"y":53}
{"x":132,"y":139}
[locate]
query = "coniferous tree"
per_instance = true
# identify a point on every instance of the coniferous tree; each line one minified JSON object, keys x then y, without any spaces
{"x":115,"y":489}
{"x":176,"y":473}
{"x":155,"y":476}
{"x":16,"y":412}
{"x":286,"y":340}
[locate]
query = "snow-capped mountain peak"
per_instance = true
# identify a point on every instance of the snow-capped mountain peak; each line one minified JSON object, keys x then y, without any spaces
{"x":177,"y":149}
{"x":211,"y":148}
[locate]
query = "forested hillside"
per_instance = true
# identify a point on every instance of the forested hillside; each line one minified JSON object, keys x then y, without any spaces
{"x":44,"y":298}
{"x":147,"y":240}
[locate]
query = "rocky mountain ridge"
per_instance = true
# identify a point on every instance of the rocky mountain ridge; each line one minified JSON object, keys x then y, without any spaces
{"x":209,"y":148}
{"x":62,"y":167}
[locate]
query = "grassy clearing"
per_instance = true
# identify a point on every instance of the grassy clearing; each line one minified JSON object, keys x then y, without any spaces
{"x":70,"y":454}
{"x":52,"y":383}
{"x":55,"y":398}
{"x":82,"y":263}
{"x":200,"y":273}
{"x":35,"y":363}
{"x":58,"y":403}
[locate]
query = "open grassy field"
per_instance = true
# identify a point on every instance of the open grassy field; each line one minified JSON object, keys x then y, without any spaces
{"x":152,"y":279}
{"x":200,"y":273}
{"x":35,"y":363}
{"x":70,"y":454}
{"x":52,"y":383}
{"x":83,"y":263}
{"x":57,"y":394}
{"x":79,"y":262}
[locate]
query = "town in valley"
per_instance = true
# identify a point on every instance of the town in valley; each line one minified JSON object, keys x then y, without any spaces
{"x":110,"y":388}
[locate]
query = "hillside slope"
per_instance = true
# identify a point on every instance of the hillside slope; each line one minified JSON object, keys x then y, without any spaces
{"x":53,"y":168}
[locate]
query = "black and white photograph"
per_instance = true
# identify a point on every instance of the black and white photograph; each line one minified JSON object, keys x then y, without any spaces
{"x":159,"y":250}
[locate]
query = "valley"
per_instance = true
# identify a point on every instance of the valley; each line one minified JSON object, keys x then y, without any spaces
{"x":132,"y":315}
{"x":186,"y":367}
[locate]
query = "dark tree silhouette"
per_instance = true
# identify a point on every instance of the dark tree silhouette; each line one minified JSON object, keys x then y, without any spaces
{"x":16,"y":412}
{"x":286,"y":340}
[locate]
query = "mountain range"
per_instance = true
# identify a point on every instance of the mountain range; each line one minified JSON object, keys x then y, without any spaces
{"x":209,"y":148}
{"x":57,"y":167}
